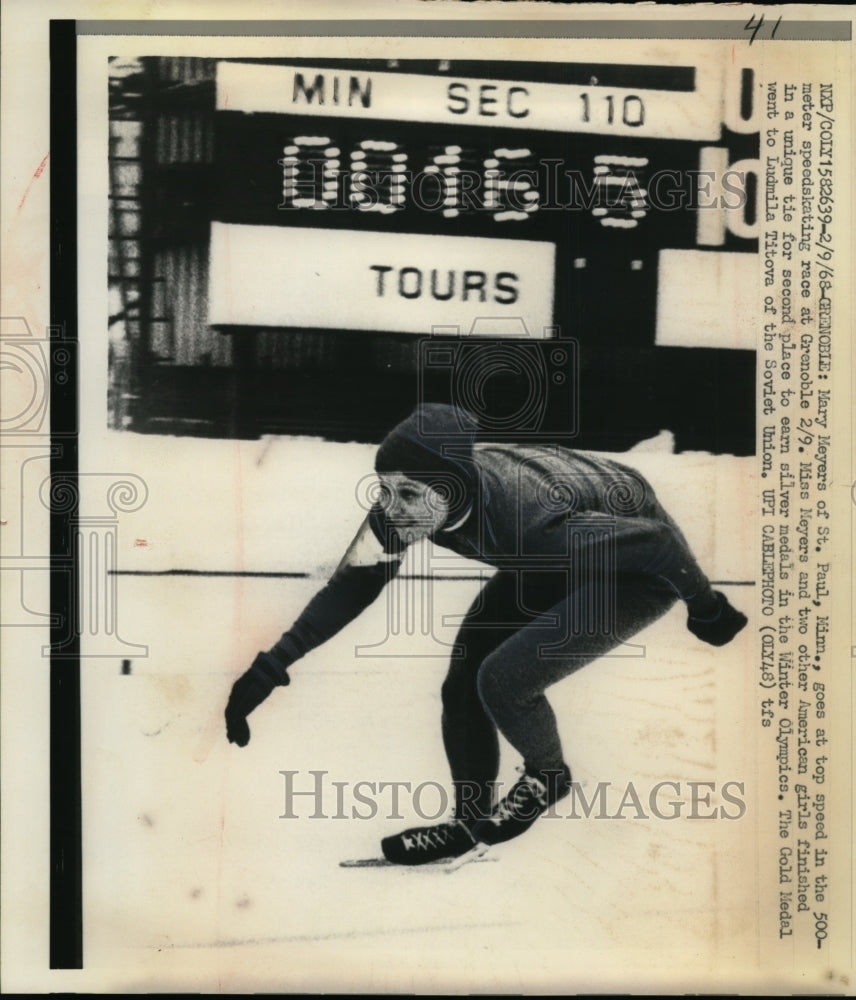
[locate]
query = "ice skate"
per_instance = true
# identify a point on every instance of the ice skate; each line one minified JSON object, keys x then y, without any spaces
{"x":527,"y":799}
{"x":427,"y":844}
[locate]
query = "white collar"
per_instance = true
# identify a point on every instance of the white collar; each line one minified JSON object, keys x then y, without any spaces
{"x":459,"y":522}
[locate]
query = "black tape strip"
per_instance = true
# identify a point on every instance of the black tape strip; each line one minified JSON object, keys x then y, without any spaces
{"x":66,"y":897}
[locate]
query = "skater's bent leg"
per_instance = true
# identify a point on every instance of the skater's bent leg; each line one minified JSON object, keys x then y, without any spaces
{"x":469,"y":732}
{"x":522,"y":713}
{"x":471,"y":743}
{"x":513,"y":678}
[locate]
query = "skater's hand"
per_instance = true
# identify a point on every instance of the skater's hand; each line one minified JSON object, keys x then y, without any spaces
{"x":249,"y":691}
{"x":719,"y":623}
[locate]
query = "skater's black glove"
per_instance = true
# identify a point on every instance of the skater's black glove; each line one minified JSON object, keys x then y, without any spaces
{"x":249,"y":691}
{"x":716,"y":621}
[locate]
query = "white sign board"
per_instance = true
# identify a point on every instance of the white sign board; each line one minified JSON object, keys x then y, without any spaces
{"x":706,"y":298}
{"x":279,"y":276}
{"x":414,"y":97}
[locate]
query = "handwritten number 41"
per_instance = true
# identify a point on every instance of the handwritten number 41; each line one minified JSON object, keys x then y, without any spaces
{"x":755,"y":26}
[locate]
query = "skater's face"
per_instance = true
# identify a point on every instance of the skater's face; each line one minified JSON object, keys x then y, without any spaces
{"x":414,"y":509}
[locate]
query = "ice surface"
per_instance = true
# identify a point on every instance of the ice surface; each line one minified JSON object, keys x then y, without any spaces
{"x":193,"y":880}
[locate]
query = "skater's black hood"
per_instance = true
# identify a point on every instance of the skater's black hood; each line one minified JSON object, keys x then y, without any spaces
{"x":434,"y":445}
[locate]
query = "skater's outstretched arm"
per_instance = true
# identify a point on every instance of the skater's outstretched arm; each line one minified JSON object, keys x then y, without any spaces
{"x":368,"y":564}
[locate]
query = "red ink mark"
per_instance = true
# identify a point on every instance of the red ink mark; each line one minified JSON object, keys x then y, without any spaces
{"x":38,"y":173}
{"x":140,"y":543}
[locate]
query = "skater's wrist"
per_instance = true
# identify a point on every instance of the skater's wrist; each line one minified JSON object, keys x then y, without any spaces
{"x":286,"y":650}
{"x":705,"y":606}
{"x":271,"y":670}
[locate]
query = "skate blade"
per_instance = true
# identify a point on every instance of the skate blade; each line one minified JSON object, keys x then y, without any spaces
{"x":383,"y":863}
{"x":476,"y":853}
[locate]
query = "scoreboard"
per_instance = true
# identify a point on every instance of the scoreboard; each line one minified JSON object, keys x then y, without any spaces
{"x":492,"y":200}
{"x":596,"y":178}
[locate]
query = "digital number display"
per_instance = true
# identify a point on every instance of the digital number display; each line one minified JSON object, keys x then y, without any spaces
{"x":576,"y":190}
{"x":507,"y":183}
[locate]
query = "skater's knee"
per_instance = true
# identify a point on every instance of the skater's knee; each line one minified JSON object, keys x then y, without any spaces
{"x":494,"y":685}
{"x":460,"y":683}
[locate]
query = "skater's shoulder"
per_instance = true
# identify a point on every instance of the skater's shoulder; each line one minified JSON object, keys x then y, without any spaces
{"x":539,"y":456}
{"x":523,"y":475}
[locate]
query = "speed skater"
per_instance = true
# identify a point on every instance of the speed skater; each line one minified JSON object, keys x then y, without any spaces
{"x":585,"y":556}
